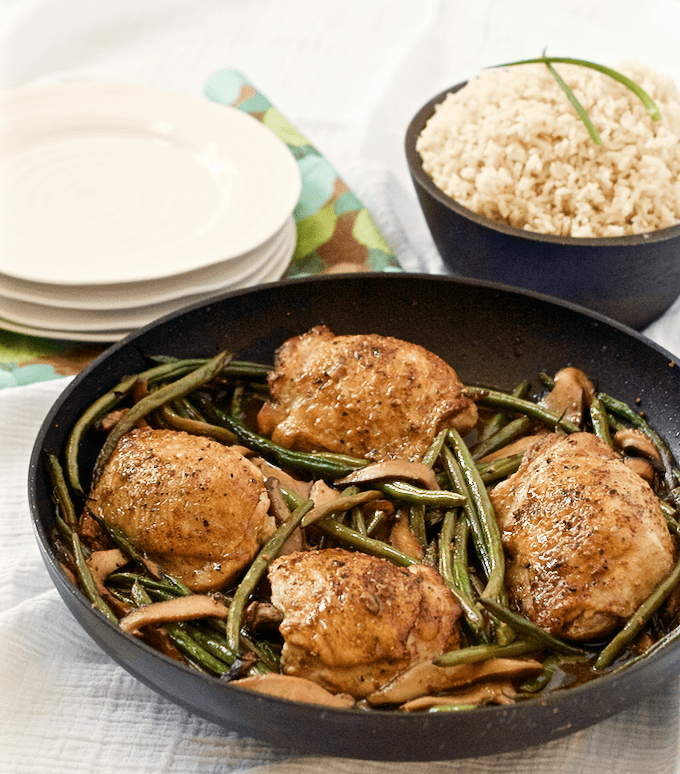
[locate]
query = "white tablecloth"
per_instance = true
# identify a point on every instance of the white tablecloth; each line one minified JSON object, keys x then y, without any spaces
{"x":349,"y":76}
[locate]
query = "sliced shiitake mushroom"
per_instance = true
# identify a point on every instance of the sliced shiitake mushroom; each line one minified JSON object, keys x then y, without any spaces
{"x":571,"y":394}
{"x":187,"y":608}
{"x":294,"y":688}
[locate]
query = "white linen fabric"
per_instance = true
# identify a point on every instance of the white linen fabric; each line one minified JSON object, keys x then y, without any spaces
{"x":349,"y":76}
{"x":67,"y":707}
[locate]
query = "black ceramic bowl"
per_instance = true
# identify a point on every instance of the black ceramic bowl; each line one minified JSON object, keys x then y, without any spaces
{"x":632,"y":279}
{"x":493,"y":336}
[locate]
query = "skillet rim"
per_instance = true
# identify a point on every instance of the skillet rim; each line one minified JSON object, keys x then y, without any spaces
{"x":447,"y":726}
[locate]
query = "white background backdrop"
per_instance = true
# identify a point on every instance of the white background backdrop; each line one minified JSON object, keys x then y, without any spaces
{"x":349,"y":75}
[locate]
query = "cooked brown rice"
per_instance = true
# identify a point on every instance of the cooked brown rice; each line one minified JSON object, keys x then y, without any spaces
{"x":509,"y":145}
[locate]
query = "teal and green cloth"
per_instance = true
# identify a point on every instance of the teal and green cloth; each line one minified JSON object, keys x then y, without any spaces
{"x":335,"y":233}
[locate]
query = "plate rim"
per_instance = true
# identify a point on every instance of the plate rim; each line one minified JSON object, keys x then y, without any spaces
{"x":146,"y":292}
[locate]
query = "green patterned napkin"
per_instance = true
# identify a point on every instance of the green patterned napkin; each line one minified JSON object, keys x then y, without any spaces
{"x":335,"y":232}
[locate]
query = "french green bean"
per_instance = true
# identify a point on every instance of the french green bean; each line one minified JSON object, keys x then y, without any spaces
{"x":186,"y":384}
{"x":639,"y":619}
{"x":257,"y":569}
{"x":497,"y":399}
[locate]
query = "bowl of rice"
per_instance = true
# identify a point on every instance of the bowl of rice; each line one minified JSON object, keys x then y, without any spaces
{"x":515,"y":190}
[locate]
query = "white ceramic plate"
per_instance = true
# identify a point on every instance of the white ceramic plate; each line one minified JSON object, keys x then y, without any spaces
{"x":114,"y":183}
{"x":60,"y":322}
{"x":75,"y":336}
{"x":128,"y":295}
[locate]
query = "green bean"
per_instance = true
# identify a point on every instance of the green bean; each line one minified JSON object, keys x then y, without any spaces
{"x":510,"y":432}
{"x":216,"y":646}
{"x":477,"y":653}
{"x":350,"y":536}
{"x":529,"y":629}
{"x":460,"y":558}
{"x":368,"y":545}
{"x":541,"y":414}
{"x":118,"y":594}
{"x":203,"y":658}
{"x":61,"y":493}
{"x":639,"y":619}
{"x":458,"y":481}
{"x":63,"y":528}
{"x":126,"y":579}
{"x":499,"y":468}
{"x":343,"y":459}
{"x":243,"y":369}
{"x":668,"y":639}
{"x":452,"y":707}
{"x":546,"y":380}
{"x":495,"y":588}
{"x":269,"y":661}
{"x":600,"y":421}
{"x":292,"y":499}
{"x":176,"y":584}
{"x":377,"y":520}
{"x":179,"y":635}
{"x":116,"y":534}
{"x":615,"y":424}
{"x":139,"y":595}
{"x":358,"y":521}
{"x":325,"y":466}
{"x":471,"y":612}
{"x":431,"y":455}
{"x":180,"y":407}
{"x":538,"y":683}
{"x":166,"y":587}
{"x":236,"y":369}
{"x":257,"y":570}
{"x":86,"y":580}
{"x":500,"y":418}
{"x":624,"y":410}
{"x":670,"y":514}
{"x":409,"y":493}
{"x":109,"y":401}
{"x":416,"y":518}
{"x":445,"y":540}
{"x":176,"y":421}
{"x":182,"y":386}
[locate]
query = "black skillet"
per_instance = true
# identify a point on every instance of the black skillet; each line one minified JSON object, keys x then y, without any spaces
{"x":492,"y":335}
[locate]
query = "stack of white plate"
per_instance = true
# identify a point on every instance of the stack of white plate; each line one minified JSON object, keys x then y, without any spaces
{"x":119,"y":204}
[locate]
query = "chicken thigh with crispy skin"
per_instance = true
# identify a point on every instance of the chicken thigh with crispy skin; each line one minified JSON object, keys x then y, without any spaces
{"x":352,"y":621}
{"x":369,"y":396}
{"x":196,"y":507}
{"x":584,"y":536}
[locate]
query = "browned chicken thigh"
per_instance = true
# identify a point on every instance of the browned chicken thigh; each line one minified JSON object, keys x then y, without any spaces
{"x":585,"y":538}
{"x":369,"y":396}
{"x":352,"y":621}
{"x":196,"y":507}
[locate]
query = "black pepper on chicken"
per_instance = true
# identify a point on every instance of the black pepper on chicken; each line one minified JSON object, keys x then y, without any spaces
{"x":198,"y":508}
{"x":370,"y":396}
{"x":585,"y":539}
{"x":352,"y":621}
